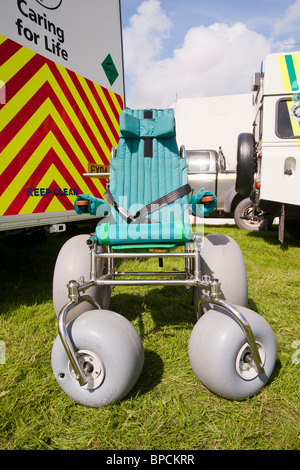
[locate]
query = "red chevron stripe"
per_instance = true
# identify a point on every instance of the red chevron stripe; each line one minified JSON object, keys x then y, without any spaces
{"x":32,"y":67}
{"x":88,"y":106}
{"x":104,"y":110}
{"x":34,"y":181}
{"x":7,"y":49}
{"x":16,"y":124}
{"x":45,"y":201}
{"x":112,"y":104}
{"x":26,"y":152}
{"x":20,"y":78}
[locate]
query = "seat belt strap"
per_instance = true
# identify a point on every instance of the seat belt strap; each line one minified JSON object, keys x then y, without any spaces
{"x":140,"y":216}
{"x":163,"y":201}
{"x":123,"y":212}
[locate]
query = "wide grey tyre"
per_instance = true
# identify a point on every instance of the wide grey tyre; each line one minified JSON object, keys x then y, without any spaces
{"x":73,"y":262}
{"x":222,"y":258}
{"x":111,"y":350}
{"x":218,"y":348}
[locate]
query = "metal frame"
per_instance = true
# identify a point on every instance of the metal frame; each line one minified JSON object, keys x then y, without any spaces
{"x":190,"y":277}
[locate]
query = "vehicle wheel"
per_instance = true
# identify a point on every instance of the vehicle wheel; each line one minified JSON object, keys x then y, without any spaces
{"x":111,"y":350}
{"x":73,"y":262}
{"x":246,"y":164}
{"x":245,"y":209}
{"x":222,"y":258}
{"x":218,"y":350}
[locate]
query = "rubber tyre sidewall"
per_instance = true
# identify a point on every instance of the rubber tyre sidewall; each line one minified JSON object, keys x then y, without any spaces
{"x":222,"y":258}
{"x":73,"y":262}
{"x":117,"y":343}
{"x":246,"y":164}
{"x":214,"y":344}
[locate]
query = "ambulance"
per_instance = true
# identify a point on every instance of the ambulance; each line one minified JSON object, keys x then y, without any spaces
{"x":268,"y":160}
{"x":61,"y":94}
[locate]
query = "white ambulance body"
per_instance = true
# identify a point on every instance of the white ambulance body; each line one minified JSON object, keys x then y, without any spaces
{"x":61,"y":94}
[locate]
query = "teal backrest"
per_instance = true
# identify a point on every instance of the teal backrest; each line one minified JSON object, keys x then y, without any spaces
{"x":148,"y":166}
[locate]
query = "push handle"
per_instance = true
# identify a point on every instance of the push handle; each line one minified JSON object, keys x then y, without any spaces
{"x":82,"y":203}
{"x":205,"y":199}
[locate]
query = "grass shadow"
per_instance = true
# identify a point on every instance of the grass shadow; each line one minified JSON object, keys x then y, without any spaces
{"x":151,"y":374}
{"x":166,"y":305}
{"x":26,"y":271}
{"x":271,"y":237}
{"x":27,"y":265}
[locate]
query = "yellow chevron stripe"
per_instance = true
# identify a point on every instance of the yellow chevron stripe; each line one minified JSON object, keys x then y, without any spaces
{"x":98,"y":112}
{"x":15,"y":105}
{"x":116,"y":103}
{"x":2,"y":39}
{"x":284,"y":72}
{"x":15,"y":63}
{"x":73,"y":116}
{"x":107,"y":106}
{"x":16,"y":144}
{"x":29,"y":90}
{"x":287,"y":86}
{"x":51,"y":175}
{"x":84,"y":111}
{"x":22,"y":176}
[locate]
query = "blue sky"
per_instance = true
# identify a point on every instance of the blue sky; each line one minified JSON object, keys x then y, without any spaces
{"x":201,"y":47}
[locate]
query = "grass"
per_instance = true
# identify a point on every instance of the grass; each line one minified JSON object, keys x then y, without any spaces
{"x":168,"y":409}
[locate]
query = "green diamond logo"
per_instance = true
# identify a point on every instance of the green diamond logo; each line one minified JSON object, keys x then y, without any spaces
{"x":110,"y":69}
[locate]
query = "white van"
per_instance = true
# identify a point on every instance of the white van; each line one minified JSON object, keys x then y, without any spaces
{"x":268,"y":161}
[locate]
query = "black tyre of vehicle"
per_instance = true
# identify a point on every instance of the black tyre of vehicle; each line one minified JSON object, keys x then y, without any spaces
{"x":244,"y":209}
{"x":246,"y":164}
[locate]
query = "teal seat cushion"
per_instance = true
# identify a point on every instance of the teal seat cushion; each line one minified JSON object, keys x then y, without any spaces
{"x":112,"y":234}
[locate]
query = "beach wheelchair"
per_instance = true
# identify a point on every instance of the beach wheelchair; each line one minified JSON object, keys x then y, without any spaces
{"x":150,"y":211}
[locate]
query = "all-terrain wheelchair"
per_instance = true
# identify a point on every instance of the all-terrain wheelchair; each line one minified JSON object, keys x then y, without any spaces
{"x":150,"y":211}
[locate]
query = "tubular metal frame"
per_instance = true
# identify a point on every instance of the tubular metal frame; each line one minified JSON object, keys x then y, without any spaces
{"x":190,"y":277}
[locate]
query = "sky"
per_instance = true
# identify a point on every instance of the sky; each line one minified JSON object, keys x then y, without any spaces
{"x":184,"y":49}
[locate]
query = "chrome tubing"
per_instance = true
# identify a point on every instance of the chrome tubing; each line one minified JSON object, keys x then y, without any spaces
{"x":145,"y":255}
{"x":247,"y":330}
{"x":75,"y":299}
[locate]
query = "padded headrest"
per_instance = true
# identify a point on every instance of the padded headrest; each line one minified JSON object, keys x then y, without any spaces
{"x":132,"y":127}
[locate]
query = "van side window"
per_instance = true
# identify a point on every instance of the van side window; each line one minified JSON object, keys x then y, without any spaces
{"x":286,"y":127}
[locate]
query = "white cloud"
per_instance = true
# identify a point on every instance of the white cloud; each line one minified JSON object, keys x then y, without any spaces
{"x":143,"y":39}
{"x":289,"y":20}
{"x":214,"y":60}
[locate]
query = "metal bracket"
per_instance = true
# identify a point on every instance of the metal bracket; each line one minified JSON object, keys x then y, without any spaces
{"x":214,"y":297}
{"x":245,"y":326}
{"x":75,"y":299}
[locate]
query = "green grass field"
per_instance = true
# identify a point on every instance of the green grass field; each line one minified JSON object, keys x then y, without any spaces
{"x":168,"y":409}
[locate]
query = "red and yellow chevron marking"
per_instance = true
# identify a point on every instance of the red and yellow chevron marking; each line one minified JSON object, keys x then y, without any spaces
{"x":53,"y":124}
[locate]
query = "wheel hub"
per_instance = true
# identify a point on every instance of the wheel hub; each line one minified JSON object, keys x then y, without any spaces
{"x":92,"y":366}
{"x":244,"y":365}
